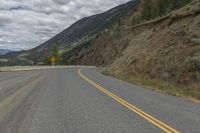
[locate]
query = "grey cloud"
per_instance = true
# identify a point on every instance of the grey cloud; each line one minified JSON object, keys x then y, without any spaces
{"x":61,"y":2}
{"x":5,"y":19}
{"x":25,"y":24}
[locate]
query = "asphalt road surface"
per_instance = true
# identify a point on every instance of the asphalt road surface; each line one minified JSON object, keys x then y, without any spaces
{"x":81,"y":100}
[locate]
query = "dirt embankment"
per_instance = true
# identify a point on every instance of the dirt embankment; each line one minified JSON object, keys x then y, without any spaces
{"x":167,"y":48}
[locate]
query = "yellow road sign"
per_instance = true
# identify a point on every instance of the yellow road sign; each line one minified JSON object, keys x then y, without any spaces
{"x":53,"y":59}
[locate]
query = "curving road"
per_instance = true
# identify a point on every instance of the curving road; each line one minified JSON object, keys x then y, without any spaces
{"x":81,"y":100}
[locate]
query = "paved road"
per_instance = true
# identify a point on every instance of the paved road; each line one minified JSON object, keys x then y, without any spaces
{"x":71,"y":100}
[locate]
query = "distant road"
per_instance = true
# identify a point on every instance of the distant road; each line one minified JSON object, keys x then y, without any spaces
{"x":81,"y":100}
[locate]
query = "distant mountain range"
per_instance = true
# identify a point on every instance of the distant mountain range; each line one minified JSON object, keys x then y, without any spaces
{"x":5,"y":51}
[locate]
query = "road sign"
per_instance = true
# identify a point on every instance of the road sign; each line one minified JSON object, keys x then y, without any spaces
{"x":53,"y":60}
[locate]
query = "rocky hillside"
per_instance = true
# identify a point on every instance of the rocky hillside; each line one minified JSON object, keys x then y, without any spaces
{"x":166,"y":49}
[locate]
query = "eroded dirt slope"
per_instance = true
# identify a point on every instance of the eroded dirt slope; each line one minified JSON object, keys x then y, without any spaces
{"x":167,"y":48}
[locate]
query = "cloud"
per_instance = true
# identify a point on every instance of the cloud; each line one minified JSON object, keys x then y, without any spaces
{"x":25,"y":24}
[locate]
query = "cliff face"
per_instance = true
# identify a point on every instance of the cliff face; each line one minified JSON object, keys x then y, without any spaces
{"x":167,"y":48}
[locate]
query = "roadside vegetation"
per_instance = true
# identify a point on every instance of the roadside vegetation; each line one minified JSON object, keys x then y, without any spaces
{"x":157,"y":8}
{"x":158,"y":85}
{"x":54,"y":52}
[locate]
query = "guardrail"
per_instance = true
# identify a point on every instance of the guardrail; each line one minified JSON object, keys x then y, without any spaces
{"x":28,"y":68}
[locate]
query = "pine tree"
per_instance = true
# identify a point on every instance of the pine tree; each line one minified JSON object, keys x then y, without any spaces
{"x":148,"y":10}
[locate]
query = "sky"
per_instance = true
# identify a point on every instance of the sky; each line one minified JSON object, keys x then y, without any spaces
{"x":25,"y":24}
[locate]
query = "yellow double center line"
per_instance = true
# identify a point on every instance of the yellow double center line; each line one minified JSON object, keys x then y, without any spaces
{"x":141,"y":113}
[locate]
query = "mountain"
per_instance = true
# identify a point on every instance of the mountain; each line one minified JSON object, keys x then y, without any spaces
{"x":150,"y":42}
{"x":82,"y":30}
{"x":4,"y":51}
{"x":145,"y":47}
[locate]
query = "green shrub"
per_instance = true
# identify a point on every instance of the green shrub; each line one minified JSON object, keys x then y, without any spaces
{"x":192,"y":64}
{"x":157,"y":8}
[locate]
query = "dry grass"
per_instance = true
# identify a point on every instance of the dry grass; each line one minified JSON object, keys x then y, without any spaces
{"x":158,"y":85}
